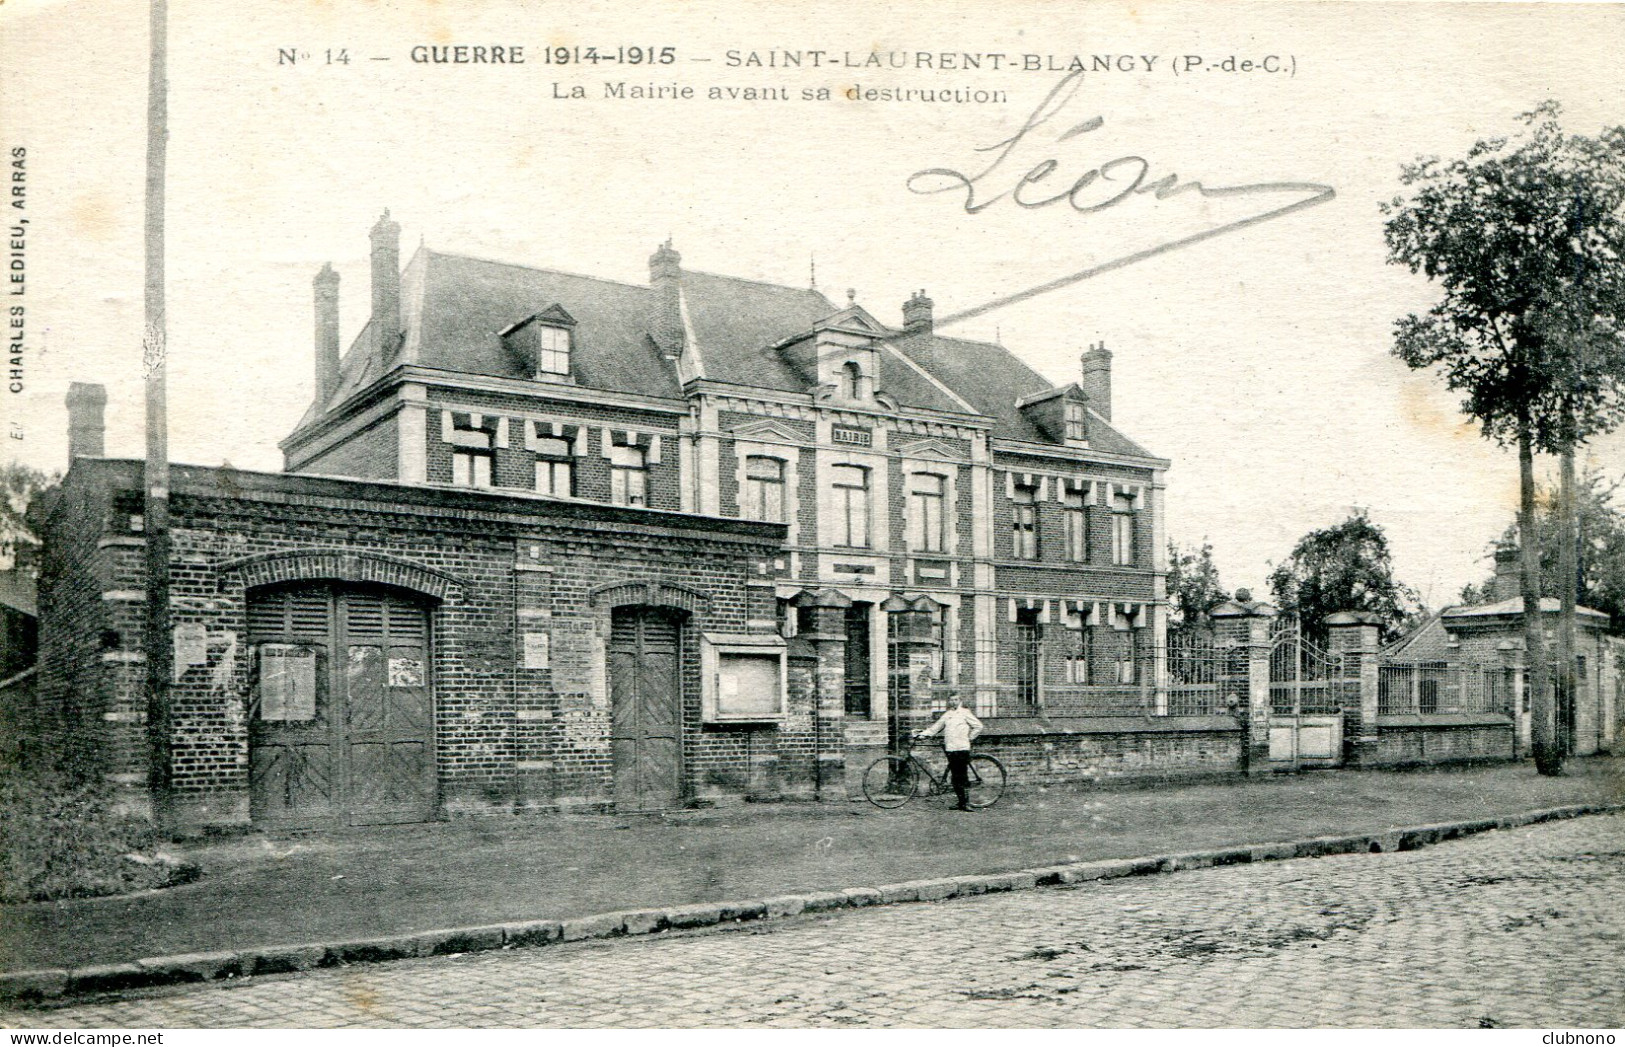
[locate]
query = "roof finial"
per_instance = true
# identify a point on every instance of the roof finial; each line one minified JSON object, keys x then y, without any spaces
{"x":851,"y":296}
{"x":812,"y":265}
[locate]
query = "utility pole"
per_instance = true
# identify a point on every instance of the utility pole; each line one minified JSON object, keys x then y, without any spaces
{"x":155,"y":479}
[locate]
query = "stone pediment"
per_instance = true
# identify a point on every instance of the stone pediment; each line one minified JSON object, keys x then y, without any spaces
{"x":767,"y":429}
{"x":929,"y":449}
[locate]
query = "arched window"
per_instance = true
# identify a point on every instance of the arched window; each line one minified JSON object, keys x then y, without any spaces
{"x":851,"y":380}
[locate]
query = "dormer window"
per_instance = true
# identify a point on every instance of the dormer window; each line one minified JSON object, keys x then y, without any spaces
{"x":541,"y":344}
{"x":1077,"y":426}
{"x":553,"y":356}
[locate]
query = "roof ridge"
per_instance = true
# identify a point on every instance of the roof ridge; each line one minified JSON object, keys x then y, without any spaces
{"x":761,"y":283}
{"x":532,"y":268}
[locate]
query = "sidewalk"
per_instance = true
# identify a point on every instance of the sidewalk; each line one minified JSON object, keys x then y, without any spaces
{"x":262,"y":890}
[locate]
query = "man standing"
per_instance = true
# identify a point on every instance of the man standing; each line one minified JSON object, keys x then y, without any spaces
{"x":959,"y":727}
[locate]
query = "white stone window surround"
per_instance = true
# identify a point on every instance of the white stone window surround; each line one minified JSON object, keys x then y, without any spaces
{"x":830,"y":519}
{"x":1056,"y":486}
{"x":613,"y":438}
{"x":949,"y":472}
{"x":573,"y":433}
{"x":473,"y":429}
{"x":1121,"y":615}
{"x":790,"y":455}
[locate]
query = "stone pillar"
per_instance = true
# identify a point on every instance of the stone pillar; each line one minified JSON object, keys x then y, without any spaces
{"x":910,"y":633}
{"x":1243,"y":625}
{"x":823,"y":630}
{"x":1353,"y":636}
{"x":1512,"y":662}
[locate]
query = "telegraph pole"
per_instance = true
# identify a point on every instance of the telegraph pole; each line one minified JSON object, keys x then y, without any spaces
{"x":155,"y":479}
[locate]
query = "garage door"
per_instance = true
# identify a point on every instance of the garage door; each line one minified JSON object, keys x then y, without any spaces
{"x":341,"y":727}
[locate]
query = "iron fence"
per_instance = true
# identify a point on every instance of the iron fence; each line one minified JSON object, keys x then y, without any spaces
{"x":1035,"y":675}
{"x":1427,"y":688}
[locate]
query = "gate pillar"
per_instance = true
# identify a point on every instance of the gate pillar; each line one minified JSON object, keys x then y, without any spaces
{"x":909,"y":636}
{"x":1352,"y":636}
{"x":1244,"y":623}
{"x":822,"y":618}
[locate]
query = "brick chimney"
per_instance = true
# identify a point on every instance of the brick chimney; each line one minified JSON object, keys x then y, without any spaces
{"x":386,"y":283}
{"x":665,"y":277}
{"x":917,"y":313}
{"x":86,"y":427}
{"x":1097,"y":379}
{"x":327,"y":333}
{"x":1508,"y":574}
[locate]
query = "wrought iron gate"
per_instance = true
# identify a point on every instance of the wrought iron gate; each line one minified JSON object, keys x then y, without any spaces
{"x":1309,"y":689}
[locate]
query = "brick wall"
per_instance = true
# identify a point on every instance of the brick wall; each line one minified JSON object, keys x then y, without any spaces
{"x":76,"y":687}
{"x":505,"y":737}
{"x":1106,"y":753}
{"x":1399,"y":746}
{"x":369,"y":454}
{"x":514,"y":466}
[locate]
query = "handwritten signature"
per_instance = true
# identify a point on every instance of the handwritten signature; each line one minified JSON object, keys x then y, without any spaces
{"x":1095,"y":190}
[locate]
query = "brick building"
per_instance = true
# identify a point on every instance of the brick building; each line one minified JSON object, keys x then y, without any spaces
{"x":642,"y":544}
{"x":1492,"y":633}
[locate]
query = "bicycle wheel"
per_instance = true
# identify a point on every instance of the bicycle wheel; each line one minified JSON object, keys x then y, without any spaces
{"x":891,"y":781}
{"x":986,"y":781}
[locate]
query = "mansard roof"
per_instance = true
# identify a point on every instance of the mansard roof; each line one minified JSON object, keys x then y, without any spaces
{"x":742,"y":332}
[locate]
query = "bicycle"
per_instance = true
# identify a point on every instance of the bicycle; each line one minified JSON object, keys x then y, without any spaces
{"x":892,"y":781}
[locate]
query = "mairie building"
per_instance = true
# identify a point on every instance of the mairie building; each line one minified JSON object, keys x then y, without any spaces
{"x":547,"y":541}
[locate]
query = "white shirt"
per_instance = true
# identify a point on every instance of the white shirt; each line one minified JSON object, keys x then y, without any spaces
{"x":958,"y":727}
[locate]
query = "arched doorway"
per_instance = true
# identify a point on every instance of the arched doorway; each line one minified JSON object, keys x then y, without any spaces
{"x":341,"y":715}
{"x":645,"y":687}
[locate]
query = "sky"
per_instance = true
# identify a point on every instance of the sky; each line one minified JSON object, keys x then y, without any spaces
{"x":1256,"y":359}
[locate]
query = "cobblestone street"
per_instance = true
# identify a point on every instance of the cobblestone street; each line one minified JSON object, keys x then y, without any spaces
{"x":1522,"y":927}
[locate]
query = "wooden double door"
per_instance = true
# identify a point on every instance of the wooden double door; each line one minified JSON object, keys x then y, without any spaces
{"x":646,"y":712}
{"x":341,"y":713}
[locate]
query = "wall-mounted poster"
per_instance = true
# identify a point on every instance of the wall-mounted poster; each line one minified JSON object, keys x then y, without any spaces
{"x":405,"y":671}
{"x":537,"y":651}
{"x":191,"y":647}
{"x":287,"y":682}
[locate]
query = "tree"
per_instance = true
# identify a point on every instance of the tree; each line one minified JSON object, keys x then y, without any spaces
{"x":1345,"y":567}
{"x":19,"y":485}
{"x":1600,"y":573}
{"x":1194,"y":588}
{"x":1525,"y":240}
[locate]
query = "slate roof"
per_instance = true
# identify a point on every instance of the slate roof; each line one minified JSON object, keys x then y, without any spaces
{"x":1514,"y":606}
{"x":17,"y":591}
{"x":747,"y":333}
{"x":1430,"y":640}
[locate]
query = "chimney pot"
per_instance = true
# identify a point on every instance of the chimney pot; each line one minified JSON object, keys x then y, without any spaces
{"x":386,"y":283}
{"x":917,"y":313}
{"x":86,"y":423}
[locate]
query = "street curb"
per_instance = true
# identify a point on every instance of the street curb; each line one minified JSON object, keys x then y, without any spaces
{"x":41,"y":986}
